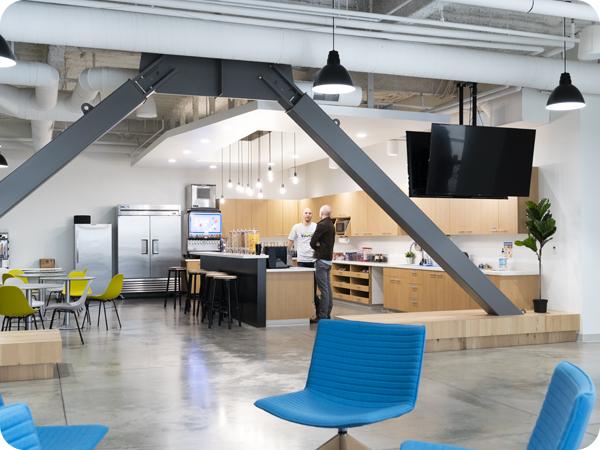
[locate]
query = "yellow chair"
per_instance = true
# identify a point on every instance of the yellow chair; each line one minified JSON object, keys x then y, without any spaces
{"x":6,"y":276}
{"x":77,"y":287}
{"x":14,"y":305}
{"x":19,"y":274}
{"x":112,"y":293}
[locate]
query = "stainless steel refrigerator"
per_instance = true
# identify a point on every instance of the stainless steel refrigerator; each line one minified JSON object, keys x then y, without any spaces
{"x":149,"y":242}
{"x":93,"y":251}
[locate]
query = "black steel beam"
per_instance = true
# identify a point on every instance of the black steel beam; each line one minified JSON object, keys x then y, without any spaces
{"x":369,"y":176}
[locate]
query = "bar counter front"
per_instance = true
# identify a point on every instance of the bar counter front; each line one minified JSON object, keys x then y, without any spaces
{"x":268,"y":297}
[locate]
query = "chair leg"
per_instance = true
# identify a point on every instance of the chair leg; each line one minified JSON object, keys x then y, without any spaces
{"x":78,"y":327}
{"x":41,"y":319}
{"x":343,"y":441}
{"x":167,"y":291}
{"x":99,"y":311}
{"x":34,"y":321}
{"x":52,"y":320}
{"x":228,"y":294}
{"x":3,"y":323}
{"x":117,"y":313}
{"x":105,"y":319}
{"x":211,"y":304}
{"x":10,"y":324}
{"x":238,"y":309}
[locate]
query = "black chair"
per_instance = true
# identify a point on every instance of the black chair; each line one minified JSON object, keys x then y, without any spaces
{"x":178,"y":274}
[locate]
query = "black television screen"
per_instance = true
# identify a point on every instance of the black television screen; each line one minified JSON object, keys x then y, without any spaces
{"x":417,"y":157}
{"x":487,"y":162}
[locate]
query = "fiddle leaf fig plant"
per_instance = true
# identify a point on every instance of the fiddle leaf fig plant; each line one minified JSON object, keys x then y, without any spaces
{"x":541,"y":226}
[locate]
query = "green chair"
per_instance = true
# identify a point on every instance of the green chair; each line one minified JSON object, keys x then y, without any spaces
{"x":6,"y":276}
{"x":14,"y":305}
{"x":77,"y":287}
{"x":112,"y":293}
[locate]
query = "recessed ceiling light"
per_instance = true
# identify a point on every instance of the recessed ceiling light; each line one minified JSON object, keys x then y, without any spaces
{"x":171,"y":160}
{"x":361,"y":134}
{"x":205,"y":141}
{"x":212,"y":166}
{"x":186,"y":152}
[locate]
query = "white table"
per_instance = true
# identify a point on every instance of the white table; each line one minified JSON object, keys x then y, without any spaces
{"x":40,"y":273}
{"x":29,"y":288}
{"x":67,"y":280}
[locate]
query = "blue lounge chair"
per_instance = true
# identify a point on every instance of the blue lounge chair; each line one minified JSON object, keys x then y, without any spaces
{"x":564,"y":416}
{"x":360,"y":373}
{"x":19,"y":430}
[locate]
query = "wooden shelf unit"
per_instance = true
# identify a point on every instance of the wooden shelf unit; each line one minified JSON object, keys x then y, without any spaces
{"x":351,"y":283}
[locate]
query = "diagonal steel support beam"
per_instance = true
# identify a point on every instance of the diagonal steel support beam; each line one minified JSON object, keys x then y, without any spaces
{"x":369,"y":176}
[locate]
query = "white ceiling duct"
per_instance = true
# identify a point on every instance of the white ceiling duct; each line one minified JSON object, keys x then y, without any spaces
{"x":96,"y":28}
{"x":589,"y":44}
{"x":43,"y":77}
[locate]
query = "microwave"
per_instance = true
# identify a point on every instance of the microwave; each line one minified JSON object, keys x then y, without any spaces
{"x":342,"y":225}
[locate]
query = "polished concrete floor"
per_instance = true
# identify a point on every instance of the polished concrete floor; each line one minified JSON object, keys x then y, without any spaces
{"x":163,"y":382}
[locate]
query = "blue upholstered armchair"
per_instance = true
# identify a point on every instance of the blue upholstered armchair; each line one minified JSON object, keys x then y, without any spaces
{"x":564,"y":417}
{"x":360,"y":373}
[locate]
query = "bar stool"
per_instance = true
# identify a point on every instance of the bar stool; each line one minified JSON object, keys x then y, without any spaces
{"x":178,"y":273}
{"x":194,"y":283}
{"x":205,"y":283}
{"x":227,"y":284}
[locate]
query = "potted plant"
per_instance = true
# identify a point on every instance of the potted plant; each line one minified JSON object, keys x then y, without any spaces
{"x":410,"y":257}
{"x":541,"y":226}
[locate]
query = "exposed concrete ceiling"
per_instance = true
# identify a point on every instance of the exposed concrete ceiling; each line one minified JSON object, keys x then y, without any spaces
{"x":388,"y":92}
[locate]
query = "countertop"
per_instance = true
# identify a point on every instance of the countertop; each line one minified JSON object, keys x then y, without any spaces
{"x":291,"y":269}
{"x":503,"y":273}
{"x":229,"y":255}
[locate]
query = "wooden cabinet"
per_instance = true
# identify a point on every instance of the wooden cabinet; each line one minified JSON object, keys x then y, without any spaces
{"x":228,"y":216}
{"x":359,"y":220}
{"x":290,"y":215}
{"x":343,"y":204}
{"x":412,"y":290}
{"x":438,"y":210}
{"x":378,"y":222}
{"x":352,"y":283}
{"x":243,"y":214}
{"x":465,"y":216}
{"x":274,"y":218}
{"x":259,"y":216}
{"x":499,"y":216}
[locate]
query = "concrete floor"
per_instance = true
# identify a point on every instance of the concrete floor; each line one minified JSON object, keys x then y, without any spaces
{"x":163,"y":382}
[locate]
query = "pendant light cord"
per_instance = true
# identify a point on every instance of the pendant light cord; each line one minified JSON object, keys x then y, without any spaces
{"x":333,"y":24}
{"x":258,"y":161}
{"x":222,"y":164}
{"x":230,"y":162}
{"x":564,"y":44}
{"x":295,"y":154}
{"x":282,"y":158}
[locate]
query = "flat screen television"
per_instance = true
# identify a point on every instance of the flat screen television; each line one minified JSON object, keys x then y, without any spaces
{"x":201,"y":224}
{"x":485,"y":162}
{"x":417,"y":157}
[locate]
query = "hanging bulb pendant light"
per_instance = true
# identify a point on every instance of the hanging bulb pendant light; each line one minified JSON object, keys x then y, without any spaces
{"x":229,"y":183}
{"x":282,"y":188}
{"x":333,"y":78}
{"x":239,"y":187}
{"x":222,"y":199}
{"x":565,"y":97}
{"x":295,"y":179}
{"x":270,"y":174}
{"x":258,"y":182}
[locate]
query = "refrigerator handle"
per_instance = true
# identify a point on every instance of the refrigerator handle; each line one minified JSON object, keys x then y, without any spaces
{"x":144,"y":246}
{"x":155,"y":246}
{"x":76,"y":256}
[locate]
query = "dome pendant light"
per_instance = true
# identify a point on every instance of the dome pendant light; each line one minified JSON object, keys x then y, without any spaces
{"x":3,"y":162}
{"x":333,"y":78}
{"x":565,"y":97}
{"x":7,"y":57}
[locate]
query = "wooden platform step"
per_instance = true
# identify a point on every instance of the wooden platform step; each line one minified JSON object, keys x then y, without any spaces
{"x":470,"y":329}
{"x":29,"y":355}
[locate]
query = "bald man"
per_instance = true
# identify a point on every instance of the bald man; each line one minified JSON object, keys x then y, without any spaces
{"x":322,"y":242}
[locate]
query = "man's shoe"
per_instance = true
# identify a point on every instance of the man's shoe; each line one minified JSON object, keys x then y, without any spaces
{"x":314,"y":320}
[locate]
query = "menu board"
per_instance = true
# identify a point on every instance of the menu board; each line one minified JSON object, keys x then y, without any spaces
{"x":204,"y":224}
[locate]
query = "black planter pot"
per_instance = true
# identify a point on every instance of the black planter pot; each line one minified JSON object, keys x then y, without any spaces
{"x":540,"y":305}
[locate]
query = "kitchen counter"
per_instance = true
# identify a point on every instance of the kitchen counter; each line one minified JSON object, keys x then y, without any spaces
{"x":435,"y":268}
{"x":229,"y":255}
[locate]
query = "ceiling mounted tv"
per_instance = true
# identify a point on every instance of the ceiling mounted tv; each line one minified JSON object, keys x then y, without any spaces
{"x":417,"y":157}
{"x":484,"y":162}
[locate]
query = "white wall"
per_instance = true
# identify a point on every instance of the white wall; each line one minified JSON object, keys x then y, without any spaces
{"x":41,"y":226}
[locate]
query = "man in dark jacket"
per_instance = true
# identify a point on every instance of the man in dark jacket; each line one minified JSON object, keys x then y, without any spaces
{"x":322,"y":242}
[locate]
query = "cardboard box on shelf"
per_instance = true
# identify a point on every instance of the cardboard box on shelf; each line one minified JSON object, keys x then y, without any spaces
{"x":47,"y":263}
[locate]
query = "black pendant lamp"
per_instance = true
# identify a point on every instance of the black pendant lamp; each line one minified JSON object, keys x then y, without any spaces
{"x":3,"y":162}
{"x":565,"y":97}
{"x":333,"y":78}
{"x":7,"y":58}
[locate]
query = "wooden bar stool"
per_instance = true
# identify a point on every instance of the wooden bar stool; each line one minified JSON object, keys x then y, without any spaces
{"x":193,"y":294}
{"x":178,"y":273}
{"x":227,"y":283}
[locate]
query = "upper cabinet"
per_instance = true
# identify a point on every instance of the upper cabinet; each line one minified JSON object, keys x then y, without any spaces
{"x":462,"y":217}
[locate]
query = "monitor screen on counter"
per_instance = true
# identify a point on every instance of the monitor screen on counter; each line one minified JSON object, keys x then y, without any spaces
{"x":204,"y":224}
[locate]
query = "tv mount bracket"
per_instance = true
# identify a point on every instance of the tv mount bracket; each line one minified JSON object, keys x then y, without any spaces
{"x":184,"y":75}
{"x":473,"y":96}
